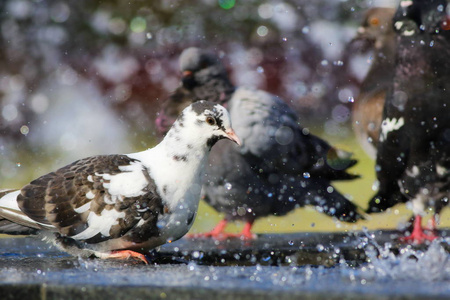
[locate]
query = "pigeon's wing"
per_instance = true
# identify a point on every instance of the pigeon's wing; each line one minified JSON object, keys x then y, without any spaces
{"x":273,"y":139}
{"x":94,"y":199}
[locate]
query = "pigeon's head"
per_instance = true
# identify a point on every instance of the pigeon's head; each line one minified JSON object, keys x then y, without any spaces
{"x":376,"y":31}
{"x":211,"y":120}
{"x":198,"y":66}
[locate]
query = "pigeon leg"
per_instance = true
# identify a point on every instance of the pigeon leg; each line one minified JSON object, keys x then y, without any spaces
{"x":246,"y":231}
{"x":219,"y":234}
{"x":432,"y":223}
{"x":418,"y":236}
{"x":215,"y":233}
{"x":126,"y":254}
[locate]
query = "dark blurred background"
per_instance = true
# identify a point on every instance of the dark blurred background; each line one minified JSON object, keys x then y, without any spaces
{"x":84,"y":77}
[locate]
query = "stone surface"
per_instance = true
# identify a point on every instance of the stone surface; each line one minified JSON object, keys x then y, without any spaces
{"x":276,"y":266}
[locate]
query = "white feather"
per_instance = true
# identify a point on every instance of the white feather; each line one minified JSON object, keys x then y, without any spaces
{"x":130,"y":183}
{"x":100,"y":223}
{"x":83,"y":207}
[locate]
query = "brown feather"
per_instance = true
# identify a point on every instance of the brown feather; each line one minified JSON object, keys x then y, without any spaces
{"x":53,"y":198}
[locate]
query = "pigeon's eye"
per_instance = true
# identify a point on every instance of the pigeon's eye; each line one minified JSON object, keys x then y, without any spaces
{"x":211,"y":121}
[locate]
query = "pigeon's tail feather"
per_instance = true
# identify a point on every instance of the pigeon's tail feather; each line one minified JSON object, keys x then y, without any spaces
{"x":9,"y":227}
{"x":334,"y":204}
{"x":330,"y":163}
{"x":335,"y":169}
{"x":379,"y":203}
{"x":12,"y":219}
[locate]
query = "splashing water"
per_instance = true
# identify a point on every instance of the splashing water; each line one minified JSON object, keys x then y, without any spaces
{"x":410,"y":264}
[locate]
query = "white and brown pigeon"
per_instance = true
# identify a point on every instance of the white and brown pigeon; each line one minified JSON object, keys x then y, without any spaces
{"x":116,"y":206}
{"x":413,"y":155}
{"x":280,"y":167}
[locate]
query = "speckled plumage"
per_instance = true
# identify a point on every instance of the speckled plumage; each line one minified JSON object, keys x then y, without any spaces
{"x":280,"y":165}
{"x":414,"y":151}
{"x":132,"y":201}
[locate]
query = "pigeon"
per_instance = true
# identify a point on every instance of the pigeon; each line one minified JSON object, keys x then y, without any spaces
{"x":413,"y":154}
{"x":280,"y":166}
{"x":117,"y":206}
{"x":376,"y":34}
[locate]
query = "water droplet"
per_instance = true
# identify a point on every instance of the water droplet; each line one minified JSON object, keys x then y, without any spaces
{"x":260,"y":69}
{"x":320,"y":247}
{"x":24,"y":130}
{"x":291,"y":243}
{"x":149,"y":35}
{"x":306,"y":175}
{"x":284,"y":39}
{"x":270,"y":195}
{"x":228,"y":186}
{"x":262,"y":31}
{"x":18,"y":164}
{"x":351,"y":99}
{"x":138,"y":24}
{"x":305,"y":30}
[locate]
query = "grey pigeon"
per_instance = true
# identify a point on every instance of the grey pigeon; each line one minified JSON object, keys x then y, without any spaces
{"x":280,"y":167}
{"x":413,"y":155}
{"x":116,"y":206}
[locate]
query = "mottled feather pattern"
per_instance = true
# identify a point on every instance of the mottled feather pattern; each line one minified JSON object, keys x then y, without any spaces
{"x":56,"y":197}
{"x":413,"y":156}
{"x":110,"y":206}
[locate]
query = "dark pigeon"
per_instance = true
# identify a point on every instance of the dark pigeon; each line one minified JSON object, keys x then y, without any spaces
{"x":413,"y":159}
{"x":280,"y":167}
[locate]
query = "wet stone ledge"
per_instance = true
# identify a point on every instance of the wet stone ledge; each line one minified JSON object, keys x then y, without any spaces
{"x":296,"y":249}
{"x":274,"y":266}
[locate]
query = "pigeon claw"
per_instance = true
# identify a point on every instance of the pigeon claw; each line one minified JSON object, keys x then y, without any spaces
{"x":126,"y":254}
{"x":418,"y":235}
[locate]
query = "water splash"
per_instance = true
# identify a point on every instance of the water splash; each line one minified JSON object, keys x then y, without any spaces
{"x":432,"y":264}
{"x":413,"y":264}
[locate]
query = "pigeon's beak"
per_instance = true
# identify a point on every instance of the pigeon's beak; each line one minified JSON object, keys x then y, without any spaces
{"x":232,"y":136}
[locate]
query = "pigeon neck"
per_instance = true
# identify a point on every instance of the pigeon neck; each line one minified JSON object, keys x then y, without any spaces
{"x":179,"y":146}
